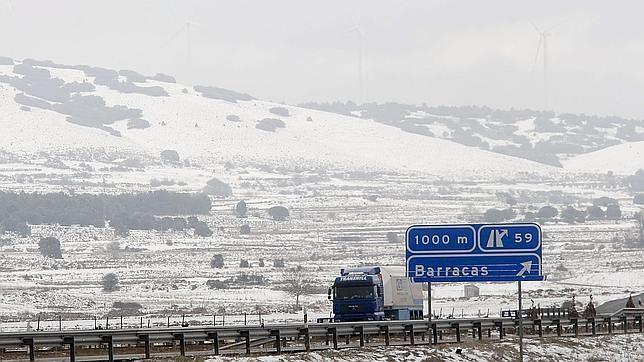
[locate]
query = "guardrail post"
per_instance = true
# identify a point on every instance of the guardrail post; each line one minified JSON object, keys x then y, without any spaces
{"x":29,"y":342}
{"x":278,"y":340}
{"x":575,"y":326}
{"x":499,"y":324}
{"x":638,"y":319}
{"x":246,"y":335}
{"x":457,"y":326}
{"x":334,"y":331}
{"x":434,"y":333}
{"x":72,"y":348}
{"x":412,"y":340}
{"x":361,"y":331}
{"x":539,"y":327}
{"x":558,"y":323}
{"x":610,"y":324}
{"x":182,"y":343}
{"x":625,"y":321}
{"x":385,"y":330}
{"x":110,"y":347}
{"x":593,"y":326}
{"x":307,"y":339}
{"x":478,"y":328}
{"x":146,"y":344}
{"x":215,"y":342}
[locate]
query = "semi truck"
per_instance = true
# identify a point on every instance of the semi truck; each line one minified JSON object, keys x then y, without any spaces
{"x":375,"y":293}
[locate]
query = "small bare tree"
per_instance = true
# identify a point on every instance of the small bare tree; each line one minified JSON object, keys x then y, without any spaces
{"x":113,"y":248}
{"x":110,"y":282}
{"x":298,"y":283}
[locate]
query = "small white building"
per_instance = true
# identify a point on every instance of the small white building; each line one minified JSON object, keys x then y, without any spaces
{"x":470,"y":291}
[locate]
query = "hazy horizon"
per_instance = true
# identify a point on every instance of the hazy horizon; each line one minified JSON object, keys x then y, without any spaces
{"x":439,"y":53}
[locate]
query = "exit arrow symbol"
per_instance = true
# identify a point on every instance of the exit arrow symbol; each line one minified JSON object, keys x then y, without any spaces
{"x":495,"y":240}
{"x":527,"y":265}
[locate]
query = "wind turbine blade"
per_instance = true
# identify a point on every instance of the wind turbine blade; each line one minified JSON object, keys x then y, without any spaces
{"x":535,"y":27}
{"x":352,"y":29}
{"x":9,"y":7}
{"x":536,"y":56}
{"x":196,"y":25}
{"x":173,"y":36}
{"x":557,"y":25}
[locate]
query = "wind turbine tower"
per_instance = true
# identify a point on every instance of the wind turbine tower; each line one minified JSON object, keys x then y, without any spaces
{"x":360,"y":65}
{"x":546,"y":104}
{"x":188,"y":51}
{"x":543,"y":42}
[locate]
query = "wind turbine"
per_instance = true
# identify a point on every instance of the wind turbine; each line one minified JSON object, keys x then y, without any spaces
{"x":189,"y":25}
{"x":7,"y":4}
{"x":543,"y":42}
{"x":187,"y":28}
{"x":358,"y":30}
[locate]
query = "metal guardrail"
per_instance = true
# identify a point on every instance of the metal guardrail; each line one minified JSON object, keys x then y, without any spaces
{"x":139,"y":343}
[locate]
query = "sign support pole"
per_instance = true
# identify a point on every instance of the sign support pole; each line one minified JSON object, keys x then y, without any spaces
{"x":520,"y":312}
{"x":429,"y":315}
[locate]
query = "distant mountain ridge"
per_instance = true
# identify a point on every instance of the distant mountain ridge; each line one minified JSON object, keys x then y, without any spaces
{"x":540,"y":136}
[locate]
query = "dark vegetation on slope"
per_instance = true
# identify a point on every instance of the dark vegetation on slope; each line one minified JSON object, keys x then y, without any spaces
{"x":280,"y":111}
{"x":124,"y":212}
{"x":602,"y":208}
{"x":218,"y":188}
{"x":160,"y":77}
{"x":482,"y":127}
{"x":233,"y":118}
{"x":222,"y":94}
{"x":278,"y":213}
{"x":137,"y":123}
{"x":40,"y":90}
{"x":6,"y":61}
{"x":110,"y":79}
{"x":270,"y":124}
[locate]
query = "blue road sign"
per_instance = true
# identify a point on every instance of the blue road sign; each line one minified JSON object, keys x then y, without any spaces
{"x":474,"y":253}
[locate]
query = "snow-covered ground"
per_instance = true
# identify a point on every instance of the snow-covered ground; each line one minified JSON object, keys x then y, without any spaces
{"x":346,"y":181}
{"x":335,"y":221}
{"x":197,"y":127}
{"x":622,"y":159}
{"x":617,"y":348}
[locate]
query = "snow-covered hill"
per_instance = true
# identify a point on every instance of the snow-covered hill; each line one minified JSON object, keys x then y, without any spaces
{"x":52,"y":107}
{"x":626,"y":158}
{"x":540,"y":136}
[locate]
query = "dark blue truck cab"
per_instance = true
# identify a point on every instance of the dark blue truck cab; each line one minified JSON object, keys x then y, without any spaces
{"x":375,"y":293}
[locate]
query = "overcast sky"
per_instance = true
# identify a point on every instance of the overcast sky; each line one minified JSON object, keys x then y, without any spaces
{"x":434,"y":52}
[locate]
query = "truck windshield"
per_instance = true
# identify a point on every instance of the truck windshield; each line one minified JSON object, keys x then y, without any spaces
{"x":357,"y":292}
